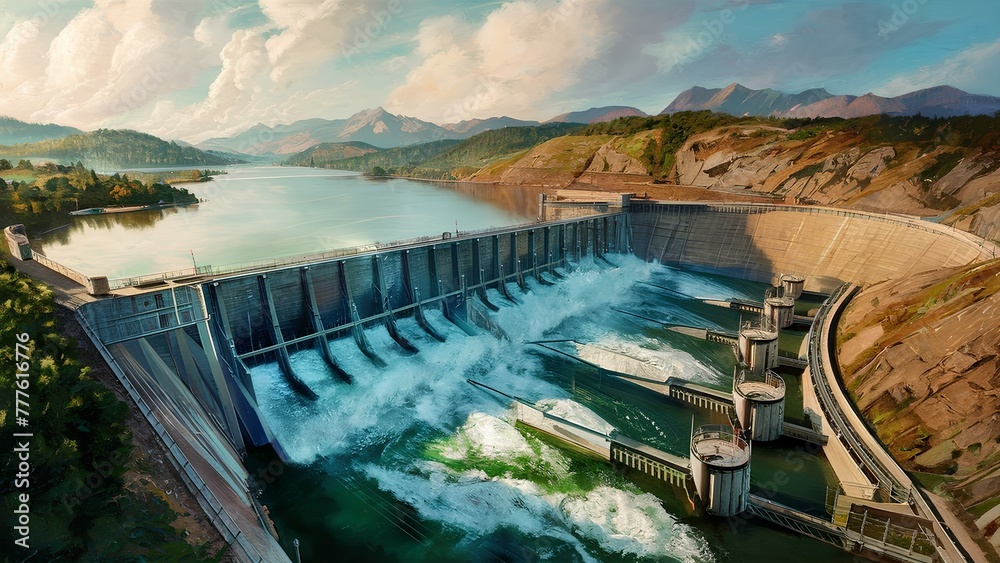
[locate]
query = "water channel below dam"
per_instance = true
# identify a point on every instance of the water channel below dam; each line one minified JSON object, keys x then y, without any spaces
{"x":412,"y":463}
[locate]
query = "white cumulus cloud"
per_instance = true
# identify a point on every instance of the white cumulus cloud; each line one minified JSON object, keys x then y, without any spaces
{"x":106,"y":61}
{"x":525,"y":54}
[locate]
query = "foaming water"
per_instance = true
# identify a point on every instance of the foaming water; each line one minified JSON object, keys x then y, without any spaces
{"x":428,"y":389}
{"x":633,"y":357}
{"x":448,"y":452}
{"x":705,"y":286}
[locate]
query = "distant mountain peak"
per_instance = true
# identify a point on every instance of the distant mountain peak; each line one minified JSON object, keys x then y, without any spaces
{"x":736,"y":99}
{"x":597,"y":114}
{"x":375,"y":126}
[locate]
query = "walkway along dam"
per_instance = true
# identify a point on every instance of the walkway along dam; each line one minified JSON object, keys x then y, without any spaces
{"x":183,"y":344}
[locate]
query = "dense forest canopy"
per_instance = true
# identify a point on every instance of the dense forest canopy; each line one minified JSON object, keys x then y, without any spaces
{"x":80,"y":451}
{"x":116,"y":148}
{"x":39,"y":196}
{"x":437,"y":159}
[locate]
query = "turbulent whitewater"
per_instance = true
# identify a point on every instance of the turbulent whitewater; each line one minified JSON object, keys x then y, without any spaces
{"x":416,"y":435}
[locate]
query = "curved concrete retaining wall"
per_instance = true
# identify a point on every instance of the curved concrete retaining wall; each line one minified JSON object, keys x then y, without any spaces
{"x":828,"y":246}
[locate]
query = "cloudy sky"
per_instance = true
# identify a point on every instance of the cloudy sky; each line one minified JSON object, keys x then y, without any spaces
{"x":189,"y":69}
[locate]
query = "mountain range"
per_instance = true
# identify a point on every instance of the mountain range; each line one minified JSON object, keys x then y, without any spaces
{"x":379,"y":128}
{"x":382,"y":129}
{"x":598,"y":115}
{"x":736,"y":99}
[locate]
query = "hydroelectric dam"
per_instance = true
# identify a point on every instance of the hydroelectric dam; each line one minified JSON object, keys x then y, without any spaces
{"x":186,"y":346}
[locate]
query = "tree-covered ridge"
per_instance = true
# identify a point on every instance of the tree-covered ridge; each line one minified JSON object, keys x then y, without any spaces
{"x":443,"y":159}
{"x":489,"y":146}
{"x":80,"y":508}
{"x":324,"y":153}
{"x":42,"y":196}
{"x":392,"y":160}
{"x":116,"y":148}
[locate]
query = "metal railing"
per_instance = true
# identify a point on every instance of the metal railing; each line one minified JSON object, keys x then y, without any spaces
{"x":722,"y":432}
{"x":300,"y":259}
{"x":119,"y":283}
{"x":196,"y":485}
{"x":904,"y":542}
{"x":59,"y":268}
{"x":843,"y":429}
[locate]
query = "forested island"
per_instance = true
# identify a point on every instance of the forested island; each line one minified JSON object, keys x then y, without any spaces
{"x":42,"y":196}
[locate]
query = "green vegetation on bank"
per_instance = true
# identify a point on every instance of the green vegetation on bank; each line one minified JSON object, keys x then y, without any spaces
{"x":114,"y":148}
{"x":478,"y":151}
{"x":176,"y":176}
{"x":323,"y":154}
{"x":80,"y":452}
{"x":42,"y":196}
{"x":438,"y":160}
{"x":394,"y":161}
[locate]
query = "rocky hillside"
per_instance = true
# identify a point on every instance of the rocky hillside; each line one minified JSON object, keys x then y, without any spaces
{"x":925,"y":167}
{"x":920,"y":357}
{"x":948,"y":169}
{"x":554,"y":163}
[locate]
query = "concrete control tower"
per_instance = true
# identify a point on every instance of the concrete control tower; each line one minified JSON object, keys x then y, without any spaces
{"x":720,"y":466}
{"x":759,"y":347}
{"x":792,"y":284}
{"x":780,"y":311}
{"x":760,"y":403}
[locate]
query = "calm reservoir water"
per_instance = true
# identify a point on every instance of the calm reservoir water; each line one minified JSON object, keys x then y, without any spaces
{"x":262,"y":212}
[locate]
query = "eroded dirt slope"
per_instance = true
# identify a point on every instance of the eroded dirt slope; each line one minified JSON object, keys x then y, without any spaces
{"x":921,"y":358}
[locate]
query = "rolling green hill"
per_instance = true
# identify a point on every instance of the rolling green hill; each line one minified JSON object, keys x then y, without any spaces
{"x":114,"y":148}
{"x":489,"y":146}
{"x":398,"y":160}
{"x":445,"y":159}
{"x":325,"y":153}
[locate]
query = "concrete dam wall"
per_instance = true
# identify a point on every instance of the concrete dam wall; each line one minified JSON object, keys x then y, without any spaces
{"x":208,"y":333}
{"x":262,"y":317}
{"x":827,"y":246}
